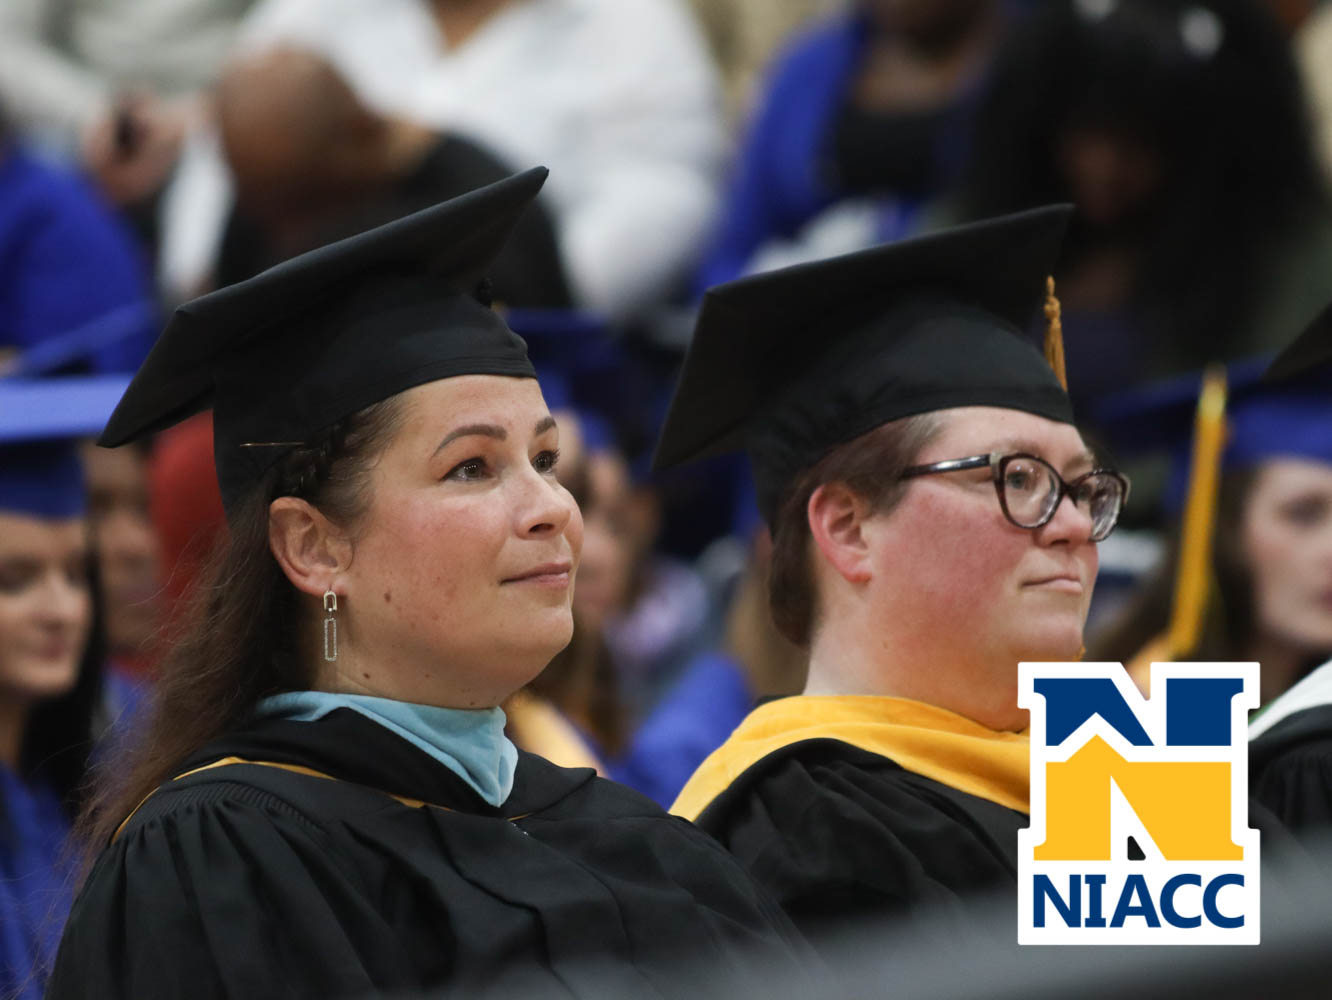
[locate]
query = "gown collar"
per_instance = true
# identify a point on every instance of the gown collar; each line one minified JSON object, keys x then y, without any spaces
{"x":469,"y":742}
{"x":925,"y":739}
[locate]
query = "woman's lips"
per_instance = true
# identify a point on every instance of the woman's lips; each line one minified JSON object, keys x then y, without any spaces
{"x":1062,"y":584}
{"x":52,"y":651}
{"x":547,"y":575}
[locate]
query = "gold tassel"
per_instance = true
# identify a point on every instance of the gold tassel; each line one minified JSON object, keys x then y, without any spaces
{"x":1195,"y":549}
{"x":1054,"y":334}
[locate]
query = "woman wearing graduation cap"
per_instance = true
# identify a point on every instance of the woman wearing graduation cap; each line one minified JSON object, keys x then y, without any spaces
{"x":935,"y":515}
{"x":1260,"y":587}
{"x":1290,"y":748}
{"x":1248,"y":570}
{"x":326,"y":803}
{"x":50,"y":658}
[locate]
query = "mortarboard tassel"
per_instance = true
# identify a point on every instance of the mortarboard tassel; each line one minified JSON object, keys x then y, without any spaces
{"x":1195,"y":552}
{"x":1054,"y":334}
{"x":1193,"y":576}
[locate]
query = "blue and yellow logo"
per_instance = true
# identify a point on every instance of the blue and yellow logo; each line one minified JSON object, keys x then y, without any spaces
{"x":1139,"y":807}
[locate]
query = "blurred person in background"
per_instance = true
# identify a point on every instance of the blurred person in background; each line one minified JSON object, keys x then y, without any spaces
{"x":129,"y":555}
{"x":863,"y":121}
{"x":640,"y":616}
{"x":698,"y":687}
{"x":718,"y":687}
{"x":652,"y":611}
{"x":312,"y":163}
{"x":618,"y":97}
{"x":50,"y":661}
{"x":73,"y":282}
{"x":113,"y":86}
{"x":745,"y":34}
{"x":540,"y":718}
{"x":1265,"y":593}
{"x":1269,"y":584}
{"x":1290,"y":741}
{"x":581,"y":681}
{"x":912,"y":454}
{"x":1179,"y":130}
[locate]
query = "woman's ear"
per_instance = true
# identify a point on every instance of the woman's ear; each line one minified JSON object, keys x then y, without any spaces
{"x":837,"y":516}
{"x":310,"y":549}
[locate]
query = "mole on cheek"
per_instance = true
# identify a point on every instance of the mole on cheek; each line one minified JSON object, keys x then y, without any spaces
{"x":388,"y":597}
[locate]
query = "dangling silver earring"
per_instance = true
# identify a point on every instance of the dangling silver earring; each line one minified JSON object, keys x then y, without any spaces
{"x":330,"y":626}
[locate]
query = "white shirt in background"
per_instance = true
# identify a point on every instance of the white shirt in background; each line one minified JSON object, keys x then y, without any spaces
{"x":617,"y":97}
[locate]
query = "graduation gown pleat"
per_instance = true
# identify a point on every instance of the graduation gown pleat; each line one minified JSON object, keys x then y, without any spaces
{"x":840,"y":835}
{"x":1290,"y":771}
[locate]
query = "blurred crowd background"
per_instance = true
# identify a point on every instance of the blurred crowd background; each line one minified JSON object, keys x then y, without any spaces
{"x":152,"y":150}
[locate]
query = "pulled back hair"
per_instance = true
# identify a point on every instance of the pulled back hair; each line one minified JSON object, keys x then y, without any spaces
{"x":237,"y":642}
{"x":1229,"y":123}
{"x":871,"y":465}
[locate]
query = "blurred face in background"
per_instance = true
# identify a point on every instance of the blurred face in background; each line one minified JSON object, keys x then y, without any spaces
{"x":1287,"y":539}
{"x":128,"y":550}
{"x":1111,"y":174}
{"x":45,"y":606}
{"x":605,"y":575}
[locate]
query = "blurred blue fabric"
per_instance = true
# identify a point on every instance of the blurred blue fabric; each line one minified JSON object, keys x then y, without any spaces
{"x":69,"y":267}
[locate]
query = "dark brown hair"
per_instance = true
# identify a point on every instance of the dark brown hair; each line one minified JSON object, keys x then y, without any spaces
{"x":238,"y":639}
{"x":872,"y":465}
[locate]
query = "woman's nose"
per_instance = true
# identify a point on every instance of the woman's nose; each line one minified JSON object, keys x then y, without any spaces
{"x":1070,"y":523}
{"x":547,"y":507}
{"x":64,"y":603}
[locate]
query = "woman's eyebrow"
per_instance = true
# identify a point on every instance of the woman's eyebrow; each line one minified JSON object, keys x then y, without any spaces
{"x":492,"y":431}
{"x":468,"y":430}
{"x":1082,"y":458}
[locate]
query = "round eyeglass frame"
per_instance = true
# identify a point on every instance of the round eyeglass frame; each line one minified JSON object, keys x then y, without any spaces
{"x":998,"y":463}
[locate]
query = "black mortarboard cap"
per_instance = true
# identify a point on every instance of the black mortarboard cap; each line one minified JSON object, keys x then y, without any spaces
{"x":286,"y":354}
{"x":789,"y":364}
{"x":1310,"y":354}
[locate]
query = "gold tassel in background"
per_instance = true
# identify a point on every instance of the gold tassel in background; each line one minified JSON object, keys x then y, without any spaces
{"x":1195,"y":550}
{"x":1054,"y":334}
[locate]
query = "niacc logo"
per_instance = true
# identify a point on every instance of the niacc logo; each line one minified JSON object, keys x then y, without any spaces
{"x":1139,"y":807}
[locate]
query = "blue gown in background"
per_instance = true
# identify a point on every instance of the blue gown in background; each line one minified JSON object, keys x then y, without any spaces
{"x":35,"y":883}
{"x":70,"y":269}
{"x":694,"y":719}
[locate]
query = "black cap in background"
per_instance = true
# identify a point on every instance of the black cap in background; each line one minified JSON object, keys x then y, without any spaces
{"x":1310,"y":354}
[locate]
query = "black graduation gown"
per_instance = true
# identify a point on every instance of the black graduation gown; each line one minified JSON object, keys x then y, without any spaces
{"x":839,"y":834}
{"x":254,"y":881}
{"x":1290,"y":771}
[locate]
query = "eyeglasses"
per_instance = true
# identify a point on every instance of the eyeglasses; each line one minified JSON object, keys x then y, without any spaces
{"x":1030,"y":490}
